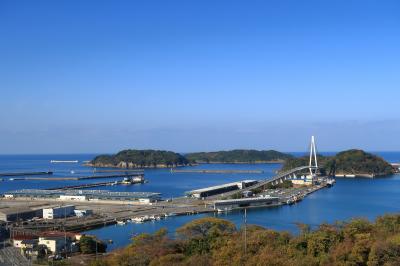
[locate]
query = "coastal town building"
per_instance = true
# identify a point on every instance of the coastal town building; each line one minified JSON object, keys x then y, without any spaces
{"x":19,"y":214}
{"x":58,"y":212}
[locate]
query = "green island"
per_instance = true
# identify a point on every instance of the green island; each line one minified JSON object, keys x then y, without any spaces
{"x":238,"y":156}
{"x":350,"y":162}
{"x":213,"y":241}
{"x":162,"y":159}
{"x":140,"y":159}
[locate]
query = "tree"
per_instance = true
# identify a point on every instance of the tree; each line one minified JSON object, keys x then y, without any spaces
{"x":87,"y":245}
{"x":204,"y":227}
{"x":203,"y":233}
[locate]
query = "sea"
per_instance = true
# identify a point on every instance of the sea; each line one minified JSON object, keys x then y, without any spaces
{"x":346,"y":200}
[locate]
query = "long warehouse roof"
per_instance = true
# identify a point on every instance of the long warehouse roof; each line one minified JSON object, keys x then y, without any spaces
{"x":219,"y":186}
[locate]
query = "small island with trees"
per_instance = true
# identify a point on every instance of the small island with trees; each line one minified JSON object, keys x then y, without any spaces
{"x":350,"y":163}
{"x":140,"y":159}
{"x":239,"y":156}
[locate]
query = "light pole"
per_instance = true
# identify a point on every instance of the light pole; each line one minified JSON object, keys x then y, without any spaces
{"x":245,"y":231}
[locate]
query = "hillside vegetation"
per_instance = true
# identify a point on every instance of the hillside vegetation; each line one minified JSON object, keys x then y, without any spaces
{"x":354,"y":162}
{"x":156,"y":158}
{"x":238,"y":156}
{"x":140,"y":159}
{"x":212,"y":241}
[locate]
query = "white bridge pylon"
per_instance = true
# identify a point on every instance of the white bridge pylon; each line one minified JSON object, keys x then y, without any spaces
{"x":313,"y":165}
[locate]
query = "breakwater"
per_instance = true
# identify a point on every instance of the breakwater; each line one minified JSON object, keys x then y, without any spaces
{"x":26,"y":173}
{"x":204,"y":171}
{"x":77,"y":178}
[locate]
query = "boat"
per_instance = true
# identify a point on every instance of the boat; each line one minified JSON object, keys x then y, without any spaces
{"x":290,"y":201}
{"x":127,"y":181}
{"x":138,"y":179}
{"x":57,"y":161}
{"x":330,"y":182}
{"x":224,"y":210}
{"x":141,"y":219}
{"x":170,"y":214}
{"x":121,"y":222}
{"x":137,"y":220}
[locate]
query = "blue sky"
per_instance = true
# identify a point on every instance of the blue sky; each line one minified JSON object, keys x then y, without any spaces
{"x":99,"y":76}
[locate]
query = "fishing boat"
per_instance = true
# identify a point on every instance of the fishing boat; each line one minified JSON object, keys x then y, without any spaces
{"x":137,"y":219}
{"x":330,"y":182}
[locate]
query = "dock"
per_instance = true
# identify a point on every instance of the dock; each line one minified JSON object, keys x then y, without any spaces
{"x":118,"y":171}
{"x":77,"y":178}
{"x":204,"y":171}
{"x":26,"y":173}
{"x":101,"y":184}
{"x":220,"y":189}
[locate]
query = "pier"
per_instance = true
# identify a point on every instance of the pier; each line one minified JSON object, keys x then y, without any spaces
{"x":220,"y":189}
{"x":204,"y":171}
{"x":77,"y":178}
{"x":26,"y":173}
{"x":118,"y":171}
{"x":101,"y":184}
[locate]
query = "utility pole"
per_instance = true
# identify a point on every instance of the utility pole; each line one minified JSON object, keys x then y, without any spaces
{"x":65,"y":232}
{"x":245,"y":231}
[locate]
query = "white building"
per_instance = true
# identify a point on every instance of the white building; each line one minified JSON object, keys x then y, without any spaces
{"x":73,"y":197}
{"x":303,"y":180}
{"x":57,"y":241}
{"x":58,"y":212}
{"x":81,"y":213}
{"x":54,"y":244}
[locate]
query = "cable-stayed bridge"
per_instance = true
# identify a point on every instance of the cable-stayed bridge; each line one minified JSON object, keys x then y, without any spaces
{"x":312,"y":167}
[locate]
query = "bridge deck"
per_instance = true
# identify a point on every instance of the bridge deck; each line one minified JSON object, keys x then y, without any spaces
{"x":265,"y":181}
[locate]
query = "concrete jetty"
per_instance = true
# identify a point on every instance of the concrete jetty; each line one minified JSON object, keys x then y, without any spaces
{"x":118,"y":170}
{"x":77,"y":178}
{"x":206,"y":171}
{"x":26,"y":173}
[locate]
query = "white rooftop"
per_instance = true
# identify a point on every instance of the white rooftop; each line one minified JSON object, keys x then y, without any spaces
{"x":219,"y":186}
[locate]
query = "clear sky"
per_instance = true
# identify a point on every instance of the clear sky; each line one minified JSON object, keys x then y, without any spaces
{"x":100,"y":76}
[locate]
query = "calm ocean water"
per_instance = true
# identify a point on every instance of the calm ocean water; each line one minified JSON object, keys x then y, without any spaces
{"x":349,"y":198}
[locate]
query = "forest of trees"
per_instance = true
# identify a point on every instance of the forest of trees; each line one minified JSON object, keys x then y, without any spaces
{"x":156,"y":158}
{"x":140,"y":159}
{"x":238,"y":156}
{"x":346,"y":162}
{"x":213,"y":241}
